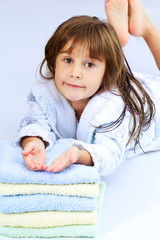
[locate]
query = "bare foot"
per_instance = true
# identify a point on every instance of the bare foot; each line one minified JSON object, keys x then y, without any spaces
{"x":138,"y":20}
{"x":117,"y":15}
{"x":141,"y":26}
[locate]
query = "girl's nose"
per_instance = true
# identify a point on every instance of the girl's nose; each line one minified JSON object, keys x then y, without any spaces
{"x":76,"y":73}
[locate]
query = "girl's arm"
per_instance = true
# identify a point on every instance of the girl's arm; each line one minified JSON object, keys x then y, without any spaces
{"x":35,"y":133}
{"x":106,"y":153}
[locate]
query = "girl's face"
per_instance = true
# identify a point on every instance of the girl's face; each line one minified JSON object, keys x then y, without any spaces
{"x":77,"y":76}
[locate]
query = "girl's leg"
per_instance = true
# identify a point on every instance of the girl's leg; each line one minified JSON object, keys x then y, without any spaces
{"x":128,"y":16}
{"x":117,"y":15}
{"x":140,"y":26}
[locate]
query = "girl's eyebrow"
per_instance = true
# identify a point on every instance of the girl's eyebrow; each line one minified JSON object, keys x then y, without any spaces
{"x":63,"y":52}
{"x":87,"y":57}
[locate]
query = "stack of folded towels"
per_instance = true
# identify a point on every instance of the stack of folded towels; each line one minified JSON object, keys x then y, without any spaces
{"x":44,"y":204}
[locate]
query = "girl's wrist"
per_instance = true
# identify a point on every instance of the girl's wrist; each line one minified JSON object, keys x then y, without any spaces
{"x":85,"y":158}
{"x":27,"y":140}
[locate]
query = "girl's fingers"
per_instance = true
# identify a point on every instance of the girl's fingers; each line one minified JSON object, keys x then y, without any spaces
{"x":64,"y":160}
{"x":34,"y":157}
{"x":32,"y":164}
{"x":29,"y":163}
{"x":27,"y":151}
{"x":59,"y":165}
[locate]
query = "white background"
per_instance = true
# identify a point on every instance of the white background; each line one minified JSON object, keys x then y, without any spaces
{"x":132,"y":201}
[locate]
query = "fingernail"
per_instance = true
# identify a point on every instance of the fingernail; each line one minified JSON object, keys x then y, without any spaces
{"x":43,"y":167}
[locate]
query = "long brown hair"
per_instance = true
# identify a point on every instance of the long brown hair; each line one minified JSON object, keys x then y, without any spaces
{"x":103,"y":43}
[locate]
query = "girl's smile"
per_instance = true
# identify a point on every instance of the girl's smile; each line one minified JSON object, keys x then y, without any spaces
{"x":73,"y":85}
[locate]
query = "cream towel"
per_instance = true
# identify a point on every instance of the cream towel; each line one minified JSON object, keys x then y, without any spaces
{"x":82,"y":190}
{"x":47,"y":219}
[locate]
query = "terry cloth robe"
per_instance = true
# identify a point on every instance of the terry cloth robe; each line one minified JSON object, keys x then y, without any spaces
{"x":51,"y":117}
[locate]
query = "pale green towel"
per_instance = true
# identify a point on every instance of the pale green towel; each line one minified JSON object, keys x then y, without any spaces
{"x":47,"y":219}
{"x":74,"y":231}
{"x":83,"y":190}
{"x":65,"y":231}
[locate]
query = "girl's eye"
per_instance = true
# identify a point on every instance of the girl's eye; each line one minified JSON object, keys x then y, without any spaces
{"x":67,"y":60}
{"x":89,"y":65}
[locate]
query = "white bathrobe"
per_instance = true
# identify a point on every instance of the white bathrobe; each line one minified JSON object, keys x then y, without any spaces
{"x":51,"y":117}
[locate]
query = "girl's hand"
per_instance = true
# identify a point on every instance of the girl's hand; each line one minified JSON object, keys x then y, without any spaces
{"x":64,"y":160}
{"x":34,"y":155}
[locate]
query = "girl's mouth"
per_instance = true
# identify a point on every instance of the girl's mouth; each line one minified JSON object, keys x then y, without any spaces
{"x":74,"y":86}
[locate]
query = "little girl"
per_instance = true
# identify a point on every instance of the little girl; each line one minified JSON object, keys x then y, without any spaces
{"x":89,"y":94}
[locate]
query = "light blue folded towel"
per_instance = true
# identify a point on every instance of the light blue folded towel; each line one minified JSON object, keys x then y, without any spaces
{"x":45,"y":202}
{"x":13,"y":169}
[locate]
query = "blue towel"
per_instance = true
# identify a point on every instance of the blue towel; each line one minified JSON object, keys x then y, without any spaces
{"x":45,"y":202}
{"x":13,"y":169}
